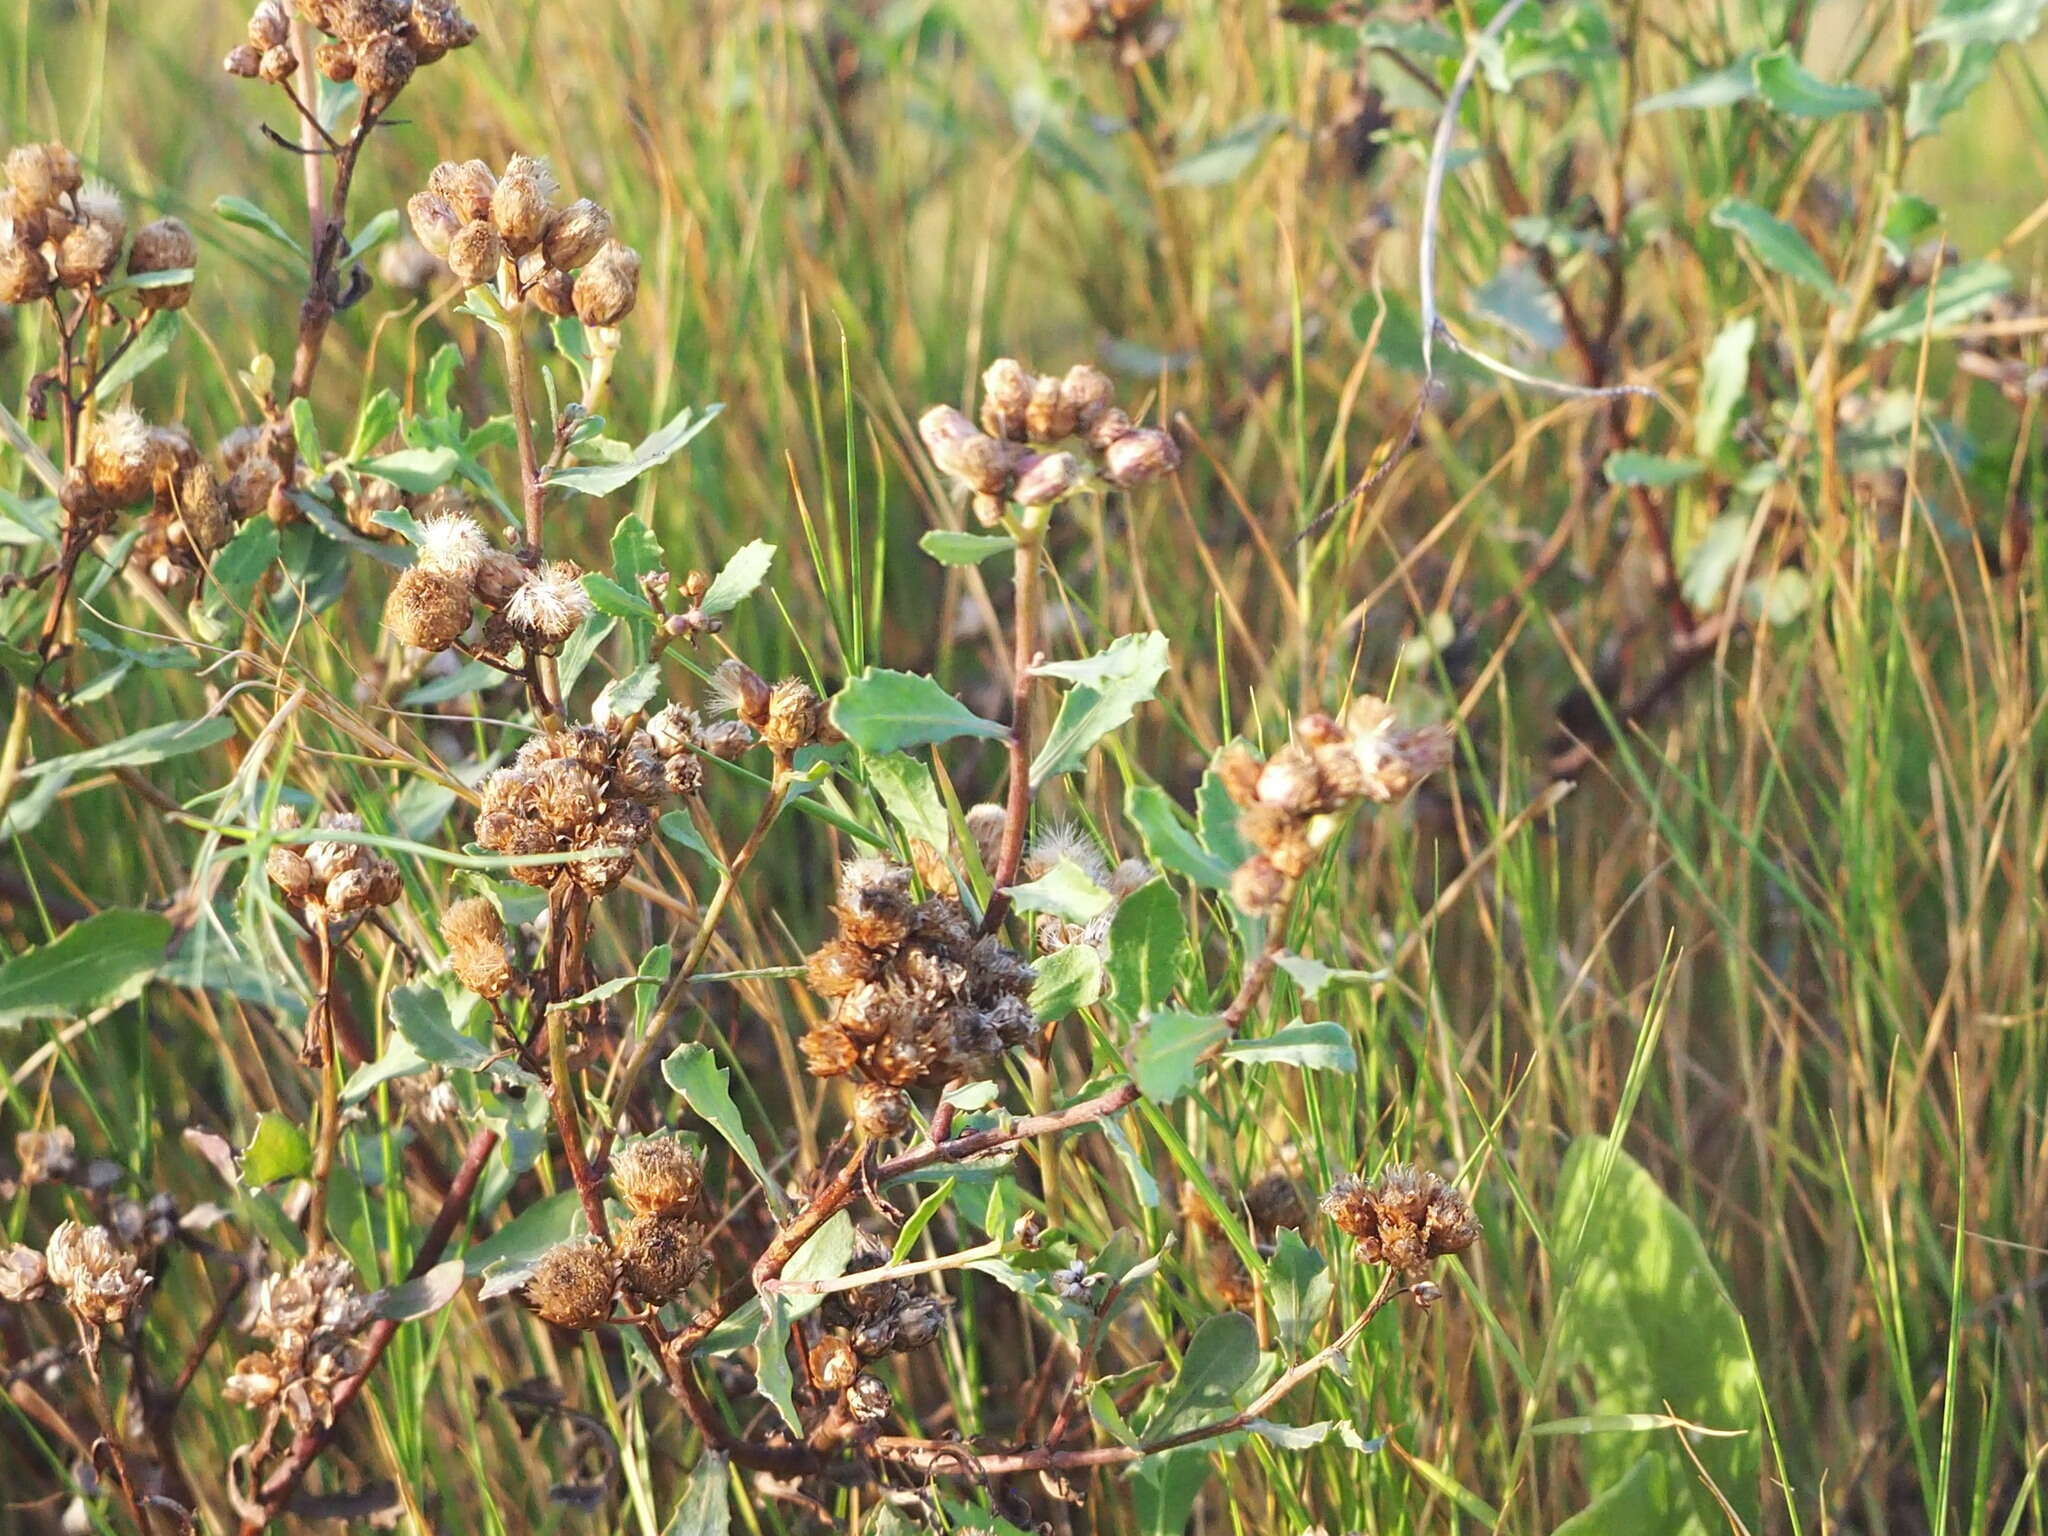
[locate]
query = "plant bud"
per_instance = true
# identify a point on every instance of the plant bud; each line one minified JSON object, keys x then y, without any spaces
{"x":427,"y":609}
{"x":88,"y":254}
{"x":202,"y":507}
{"x":278,"y":64}
{"x":466,"y":184}
{"x":606,"y":288}
{"x":243,"y":61}
{"x":919,"y":1322}
{"x":728,"y":740}
{"x":572,"y":1285}
{"x":1112,"y":424}
{"x":78,"y":496}
{"x":519,"y":205}
{"x":383,"y":65}
{"x":269,"y":24}
{"x":473,"y":253}
{"x":65,"y":172}
{"x":24,"y":274}
{"x":833,"y":1363}
{"x":881,"y":1112}
{"x":659,"y":1174}
{"x":1142,"y":454}
{"x":1047,"y":418}
{"x":739,"y":688}
{"x":1054,"y":477}
{"x":165,"y":245}
{"x":987,"y":464}
{"x":251,"y":485}
{"x":555,"y":293}
{"x":867,"y":1398}
{"x":576,"y":234}
{"x":434,"y":221}
{"x":438,"y":27}
{"x":1006,"y":389}
{"x":1086,"y":393}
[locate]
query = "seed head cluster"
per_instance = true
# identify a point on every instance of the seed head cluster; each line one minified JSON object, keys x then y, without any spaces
{"x":58,"y":231}
{"x":307,"y":1319}
{"x":1013,"y":455}
{"x":575,"y":789}
{"x":653,"y":1258}
{"x":507,"y":229}
{"x":917,"y":997}
{"x":330,"y":880}
{"x":88,"y":1267}
{"x":867,"y":1323}
{"x":1290,"y":805}
{"x":1405,"y":1219}
{"x":378,"y":44}
{"x":456,"y":566}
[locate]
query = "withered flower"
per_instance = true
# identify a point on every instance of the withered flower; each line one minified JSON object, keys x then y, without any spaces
{"x":572,"y":1285}
{"x":1405,"y":1219}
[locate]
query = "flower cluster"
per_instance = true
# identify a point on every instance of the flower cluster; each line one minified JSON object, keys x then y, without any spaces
{"x":307,"y":1318}
{"x":654,"y":1257}
{"x":1134,"y":30}
{"x":378,"y":44}
{"x":57,"y":230}
{"x":330,"y":880}
{"x":508,"y":229}
{"x":918,"y":998}
{"x":97,"y":1276}
{"x":1405,"y":1219}
{"x":432,"y":602}
{"x":1013,"y":456}
{"x":888,"y":1317}
{"x":572,"y":790}
{"x":1291,"y":803}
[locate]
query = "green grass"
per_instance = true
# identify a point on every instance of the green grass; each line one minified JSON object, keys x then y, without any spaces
{"x":1780,"y":942}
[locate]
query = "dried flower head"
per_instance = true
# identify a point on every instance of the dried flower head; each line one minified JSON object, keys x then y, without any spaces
{"x":572,"y":1285}
{"x":882,"y":1113}
{"x":466,"y":186}
{"x":25,"y":275}
{"x":164,"y":245}
{"x":551,"y":604}
{"x":45,"y":1155}
{"x":1405,"y":1219}
{"x":660,"y":1254}
{"x":575,"y":234}
{"x":101,"y":1281}
{"x":522,"y":203}
{"x":474,"y":252}
{"x":476,"y":946}
{"x":868,"y":1399}
{"x":23,"y":1274}
{"x":434,"y":221}
{"x":451,"y":544}
{"x":427,"y":609}
{"x":658,"y":1174}
{"x":122,"y":457}
{"x":795,"y":717}
{"x":833,"y":1363}
{"x":608,"y":285}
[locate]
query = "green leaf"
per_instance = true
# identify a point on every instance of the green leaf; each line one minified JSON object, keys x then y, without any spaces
{"x":239,"y":210}
{"x":1167,"y":1057}
{"x":1712,"y":560}
{"x":105,"y":960}
{"x":414,"y":469}
{"x":913,"y":1229}
{"x":1962,"y":22}
{"x":1225,"y":159}
{"x":906,"y":788}
{"x":1777,"y":245}
{"x":1299,"y":1287}
{"x":244,"y":559}
{"x":278,"y":1150}
{"x":823,"y":1256}
{"x":1147,"y":938}
{"x":1716,"y":88}
{"x":512,"y":1250}
{"x":636,"y":552}
{"x":628,"y":694}
{"x":1638,"y":1501}
{"x":886,"y":711}
{"x":1220,"y":1359}
{"x":1066,"y":891}
{"x":695,"y":1073}
{"x":1908,"y":221}
{"x":377,"y":420}
{"x":949,"y":547}
{"x":1648,"y":1324}
{"x":163,"y":328}
{"x":742,"y":574}
{"x":1068,"y":980}
{"x":703,"y":1510}
{"x":1789,"y":87}
{"x":422,"y":1296}
{"x":1929,"y":102}
{"x":656,"y":449}
{"x":1724,"y":384}
{"x":399,"y":1058}
{"x":153,"y":744}
{"x":1292,"y":1437}
{"x":1648,"y":469}
{"x":1322,"y":1045}
{"x":1108,"y":688}
{"x":382,"y":226}
{"x":419,"y":1014}
{"x":1168,"y":842}
{"x":607,"y":596}
{"x":1960,"y":294}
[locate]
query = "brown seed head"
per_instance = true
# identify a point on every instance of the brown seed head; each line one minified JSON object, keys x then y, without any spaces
{"x":427,"y":609}
{"x":1052,"y":478}
{"x":439,"y":27}
{"x":164,"y":245}
{"x":122,"y":457}
{"x":466,"y":185}
{"x":499,"y":576}
{"x":1274,"y":1202}
{"x":867,"y":1398}
{"x":608,"y":285}
{"x":555,"y":294}
{"x":434,"y":221}
{"x":474,"y":252}
{"x":1047,"y":418}
{"x":23,"y":1274}
{"x":833,"y":1363}
{"x":335,"y":61}
{"x":32,"y":172}
{"x":1258,"y":887}
{"x":658,"y":1174}
{"x":100,"y":1281}
{"x":828,"y":1051}
{"x":575,"y":234}
{"x":882,"y":1113}
{"x":45,"y":1155}
{"x":269,"y":24}
{"x":1006,"y":390}
{"x":25,"y":276}
{"x":1139,"y":455}
{"x":659,"y":1255}
{"x":572,"y":1284}
{"x":244,"y":61}
{"x":519,"y":206}
{"x":278,"y":64}
{"x":476,"y":946}
{"x":794,"y":717}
